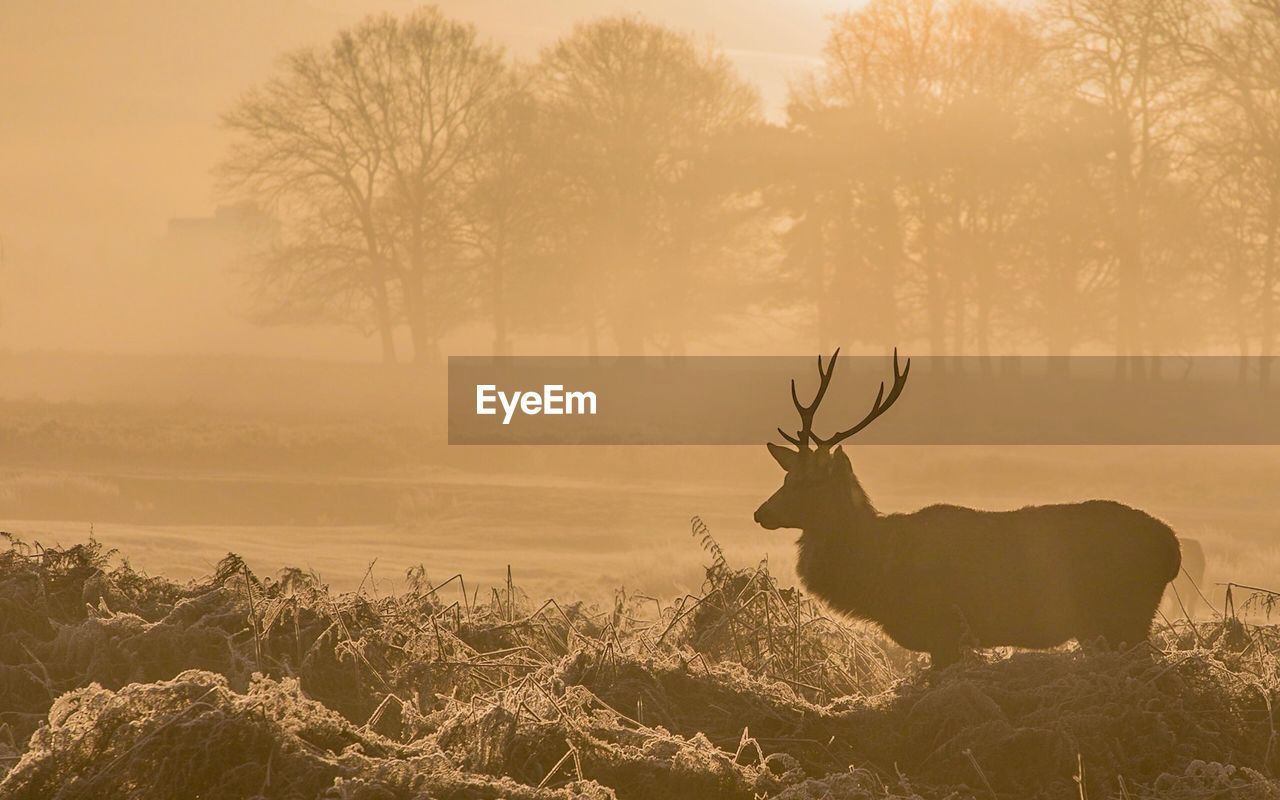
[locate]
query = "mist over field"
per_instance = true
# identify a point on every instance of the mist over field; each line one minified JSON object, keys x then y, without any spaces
{"x":239,"y":242}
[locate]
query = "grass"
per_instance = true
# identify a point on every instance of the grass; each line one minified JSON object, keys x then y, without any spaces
{"x":117,"y":684}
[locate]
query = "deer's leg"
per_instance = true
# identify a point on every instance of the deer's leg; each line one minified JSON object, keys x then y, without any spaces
{"x":948,"y":636}
{"x":1127,"y":633}
{"x":1113,"y":633}
{"x":940,"y":657}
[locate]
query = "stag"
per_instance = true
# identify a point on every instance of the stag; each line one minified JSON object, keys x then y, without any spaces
{"x":944,"y":578}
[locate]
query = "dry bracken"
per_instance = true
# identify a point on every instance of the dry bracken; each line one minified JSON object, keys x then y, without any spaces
{"x":115,"y":684}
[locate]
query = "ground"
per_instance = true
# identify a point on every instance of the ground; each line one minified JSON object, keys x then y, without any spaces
{"x":116,"y":684}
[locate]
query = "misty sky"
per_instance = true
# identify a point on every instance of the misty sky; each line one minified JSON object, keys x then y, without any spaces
{"x":109,"y":127}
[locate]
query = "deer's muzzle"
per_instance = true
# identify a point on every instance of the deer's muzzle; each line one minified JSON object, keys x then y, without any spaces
{"x":767,"y":517}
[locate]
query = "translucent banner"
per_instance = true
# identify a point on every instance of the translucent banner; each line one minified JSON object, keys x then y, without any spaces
{"x":744,"y":400}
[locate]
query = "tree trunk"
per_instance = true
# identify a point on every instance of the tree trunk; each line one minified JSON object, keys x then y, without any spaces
{"x":982,"y":328}
{"x":1241,"y":327}
{"x":1128,"y":241}
{"x":984,"y":301}
{"x":386,"y":327}
{"x":387,"y":336}
{"x":629,"y":340}
{"x":892,"y":257}
{"x":818,"y":253}
{"x":501,"y":344}
{"x":959,"y":310}
{"x":934,"y":296}
{"x":1268,"y":293}
{"x":381,"y":301}
{"x":1128,"y":293}
{"x":426,"y":350}
{"x":1056,"y":310}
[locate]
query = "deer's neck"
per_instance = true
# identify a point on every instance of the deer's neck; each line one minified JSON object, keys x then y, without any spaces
{"x":838,"y":559}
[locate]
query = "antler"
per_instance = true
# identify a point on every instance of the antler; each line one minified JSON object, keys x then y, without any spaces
{"x":806,"y":412}
{"x":877,"y":408}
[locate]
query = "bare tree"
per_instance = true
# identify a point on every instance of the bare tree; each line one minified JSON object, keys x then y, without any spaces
{"x":940,"y":90}
{"x":1126,"y":58}
{"x":1242,"y":60}
{"x":513,"y":224}
{"x":991,"y":55}
{"x":835,"y":188}
{"x":633,"y":109}
{"x":365,"y":149}
{"x":1060,"y":234}
{"x":883,"y":61}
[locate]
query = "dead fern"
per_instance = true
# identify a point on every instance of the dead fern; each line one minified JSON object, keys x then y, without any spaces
{"x":745,"y":688}
{"x":700,"y":531}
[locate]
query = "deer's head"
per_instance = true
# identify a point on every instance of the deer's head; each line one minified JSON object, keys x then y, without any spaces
{"x":818,"y":471}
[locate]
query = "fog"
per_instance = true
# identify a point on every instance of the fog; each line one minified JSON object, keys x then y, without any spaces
{"x":109,"y":128}
{"x":257,"y":538}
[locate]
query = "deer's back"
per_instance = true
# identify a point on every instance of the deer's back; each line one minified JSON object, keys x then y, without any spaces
{"x":1087,"y":533}
{"x":1033,"y":577}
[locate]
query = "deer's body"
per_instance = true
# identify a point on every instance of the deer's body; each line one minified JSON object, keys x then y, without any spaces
{"x":945,"y":576}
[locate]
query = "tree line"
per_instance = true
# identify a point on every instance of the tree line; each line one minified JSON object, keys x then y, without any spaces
{"x":1082,"y":174}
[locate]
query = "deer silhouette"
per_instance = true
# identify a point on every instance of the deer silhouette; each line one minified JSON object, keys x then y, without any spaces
{"x":946,"y":577}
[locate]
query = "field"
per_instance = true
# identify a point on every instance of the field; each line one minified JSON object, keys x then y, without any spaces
{"x":596,"y":519}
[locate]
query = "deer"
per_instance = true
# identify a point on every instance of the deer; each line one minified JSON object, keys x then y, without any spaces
{"x":945,"y":579}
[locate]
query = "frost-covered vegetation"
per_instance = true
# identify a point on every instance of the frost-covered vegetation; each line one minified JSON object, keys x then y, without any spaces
{"x":116,"y":684}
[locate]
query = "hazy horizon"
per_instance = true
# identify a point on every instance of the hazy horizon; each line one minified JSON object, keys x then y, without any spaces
{"x":409,"y":400}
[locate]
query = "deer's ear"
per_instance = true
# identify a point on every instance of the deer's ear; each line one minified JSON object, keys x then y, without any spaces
{"x":840,"y":459}
{"x":785,"y":457}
